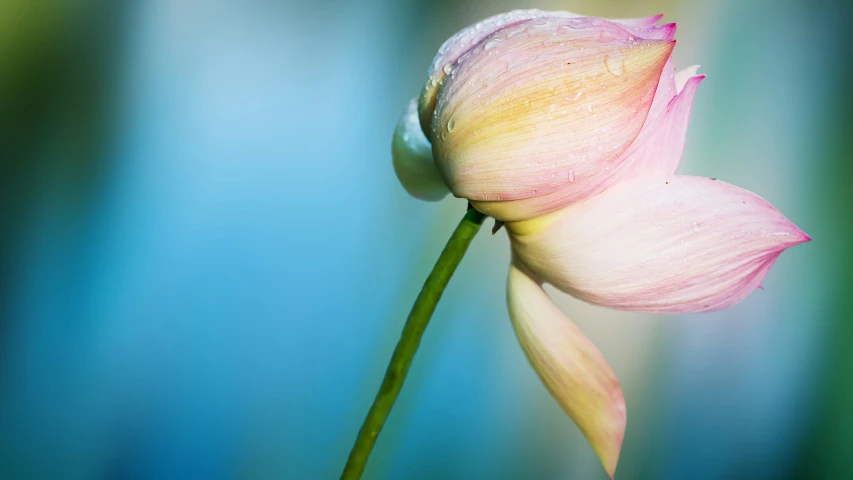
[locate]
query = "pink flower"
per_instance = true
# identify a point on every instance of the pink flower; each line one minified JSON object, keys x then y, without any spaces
{"x":529,"y":111}
{"x":571,"y":129}
{"x":660,"y":243}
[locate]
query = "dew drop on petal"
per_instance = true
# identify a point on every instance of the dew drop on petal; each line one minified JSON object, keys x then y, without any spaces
{"x":614,"y":65}
{"x":571,"y":175}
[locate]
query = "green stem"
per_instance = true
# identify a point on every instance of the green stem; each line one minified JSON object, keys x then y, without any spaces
{"x":410,"y":339}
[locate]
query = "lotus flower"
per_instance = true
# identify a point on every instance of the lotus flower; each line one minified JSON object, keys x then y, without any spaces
{"x":570,"y":129}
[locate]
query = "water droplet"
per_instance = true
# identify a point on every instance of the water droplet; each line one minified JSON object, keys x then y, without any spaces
{"x":491,"y":44}
{"x":695,"y":227}
{"x":571,"y":175}
{"x":614,"y":65}
{"x":406,"y":138}
{"x":448,"y":68}
{"x":451,"y":124}
{"x":578,"y":95}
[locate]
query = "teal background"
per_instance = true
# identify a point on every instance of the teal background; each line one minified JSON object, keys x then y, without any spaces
{"x":206,"y":259}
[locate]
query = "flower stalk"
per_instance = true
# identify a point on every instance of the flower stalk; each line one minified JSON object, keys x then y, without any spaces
{"x":409,"y":341}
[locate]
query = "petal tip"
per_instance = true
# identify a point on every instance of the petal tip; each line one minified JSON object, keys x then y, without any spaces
{"x":797,"y":234}
{"x":687,"y":75}
{"x":609,"y":453}
{"x":803,"y":236}
{"x":572,"y":369}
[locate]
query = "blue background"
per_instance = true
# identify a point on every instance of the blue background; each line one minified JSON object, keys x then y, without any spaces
{"x":206,"y":259}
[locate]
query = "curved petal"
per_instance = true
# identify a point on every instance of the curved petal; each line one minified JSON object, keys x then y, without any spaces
{"x":412,"y":157}
{"x":570,"y":366}
{"x":653,"y":32}
{"x":543,"y":104}
{"x":640,"y":152}
{"x":461,"y":42}
{"x":641,"y":22}
{"x":659,"y":148}
{"x":683,"y":76}
{"x":467,"y":38}
{"x":658,"y":244}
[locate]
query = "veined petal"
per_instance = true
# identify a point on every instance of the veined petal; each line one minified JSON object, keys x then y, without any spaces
{"x":653,"y":32}
{"x":639,"y":159}
{"x":641,"y":22}
{"x":542,"y":104}
{"x":468,"y":37}
{"x":659,"y":148}
{"x":572,"y":369}
{"x":664,"y":244}
{"x":412,"y":157}
{"x":459,"y":44}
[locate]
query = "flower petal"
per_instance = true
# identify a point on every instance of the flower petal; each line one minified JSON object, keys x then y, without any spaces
{"x":459,"y":44}
{"x":683,"y":76}
{"x":412,"y":157}
{"x":641,"y":22}
{"x":653,"y":32}
{"x":640,"y":152}
{"x":659,"y":148}
{"x":468,"y":37}
{"x":570,"y":366}
{"x":665,"y":244}
{"x":542,"y":104}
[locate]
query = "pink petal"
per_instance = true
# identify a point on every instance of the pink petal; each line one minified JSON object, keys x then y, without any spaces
{"x":543,"y":104}
{"x":658,"y":244}
{"x":467,"y":38}
{"x":659,"y":147}
{"x":569,"y":365}
{"x":653,"y":32}
{"x":459,"y":44}
{"x":683,"y":76}
{"x":411,"y":153}
{"x":641,"y":22}
{"x":621,"y":168}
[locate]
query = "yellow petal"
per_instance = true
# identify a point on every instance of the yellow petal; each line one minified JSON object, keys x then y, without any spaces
{"x":570,"y":366}
{"x":544,"y":105}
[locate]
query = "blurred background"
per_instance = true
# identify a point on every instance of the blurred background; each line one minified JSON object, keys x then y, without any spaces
{"x":206,"y":259}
